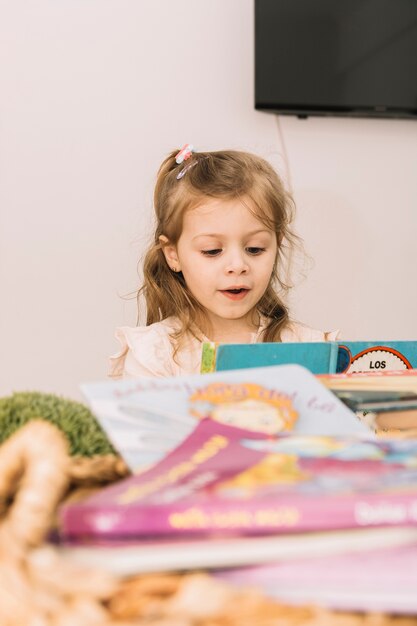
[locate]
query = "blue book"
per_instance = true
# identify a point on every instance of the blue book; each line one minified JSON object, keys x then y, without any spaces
{"x":376,"y":356}
{"x":327,"y":357}
{"x":320,"y":357}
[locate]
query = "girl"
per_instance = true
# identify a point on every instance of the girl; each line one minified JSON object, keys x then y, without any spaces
{"x":222,"y":229}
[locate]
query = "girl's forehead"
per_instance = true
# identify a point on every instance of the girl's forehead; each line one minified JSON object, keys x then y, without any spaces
{"x":234,"y":212}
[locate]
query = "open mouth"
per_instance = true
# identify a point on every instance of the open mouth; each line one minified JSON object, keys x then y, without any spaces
{"x":235,"y":294}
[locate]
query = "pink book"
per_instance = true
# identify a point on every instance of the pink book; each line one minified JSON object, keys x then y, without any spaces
{"x":382,"y":580}
{"x":226,"y":480}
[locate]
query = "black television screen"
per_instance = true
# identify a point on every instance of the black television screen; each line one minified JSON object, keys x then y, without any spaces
{"x":329,"y":57}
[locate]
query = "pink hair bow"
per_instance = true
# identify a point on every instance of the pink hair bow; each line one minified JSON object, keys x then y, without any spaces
{"x":185,"y":153}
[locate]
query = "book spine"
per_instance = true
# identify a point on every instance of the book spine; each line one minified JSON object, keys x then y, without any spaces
{"x":333,"y":357}
{"x":267,"y":517}
{"x":208,"y":358}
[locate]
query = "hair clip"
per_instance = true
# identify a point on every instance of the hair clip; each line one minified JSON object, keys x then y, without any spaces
{"x":185,"y":153}
{"x":185,"y":169}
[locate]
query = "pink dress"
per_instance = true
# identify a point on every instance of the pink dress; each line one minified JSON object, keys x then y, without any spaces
{"x":148,"y":350}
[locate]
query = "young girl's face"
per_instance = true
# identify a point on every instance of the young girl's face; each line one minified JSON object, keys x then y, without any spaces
{"x":226,"y":255}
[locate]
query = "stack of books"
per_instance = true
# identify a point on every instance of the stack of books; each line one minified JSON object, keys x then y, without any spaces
{"x":263,"y":475}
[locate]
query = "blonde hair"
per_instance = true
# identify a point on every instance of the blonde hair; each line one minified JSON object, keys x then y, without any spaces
{"x":227,"y":174}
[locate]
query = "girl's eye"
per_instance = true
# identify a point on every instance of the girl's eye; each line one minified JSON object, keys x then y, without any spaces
{"x":255,"y":251}
{"x":211,"y":252}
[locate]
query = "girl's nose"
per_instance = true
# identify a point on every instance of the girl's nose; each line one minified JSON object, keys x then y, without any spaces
{"x":236,"y":264}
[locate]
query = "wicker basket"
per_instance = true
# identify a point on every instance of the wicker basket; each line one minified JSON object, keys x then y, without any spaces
{"x":38,"y":587}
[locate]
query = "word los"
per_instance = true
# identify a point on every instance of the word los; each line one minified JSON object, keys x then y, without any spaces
{"x":377,"y":365}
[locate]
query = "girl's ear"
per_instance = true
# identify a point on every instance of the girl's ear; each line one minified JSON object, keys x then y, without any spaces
{"x":170,"y":253}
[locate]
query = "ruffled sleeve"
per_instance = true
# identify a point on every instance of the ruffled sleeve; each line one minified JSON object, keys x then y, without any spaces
{"x":332,"y":335}
{"x":145,"y":351}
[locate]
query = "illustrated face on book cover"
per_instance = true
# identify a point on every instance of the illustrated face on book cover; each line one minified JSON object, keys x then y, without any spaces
{"x":245,"y":405}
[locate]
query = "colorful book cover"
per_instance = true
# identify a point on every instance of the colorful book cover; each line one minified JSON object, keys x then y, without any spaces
{"x":224,"y":479}
{"x":373,"y":356}
{"x":319,"y":357}
{"x":146,"y":418}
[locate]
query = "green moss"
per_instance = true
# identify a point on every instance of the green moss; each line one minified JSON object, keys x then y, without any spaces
{"x":83,"y":432}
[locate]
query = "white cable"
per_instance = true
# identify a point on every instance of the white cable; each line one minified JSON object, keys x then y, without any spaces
{"x":284,"y":154}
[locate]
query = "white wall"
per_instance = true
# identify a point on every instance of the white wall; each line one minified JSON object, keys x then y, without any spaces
{"x":94,"y":93}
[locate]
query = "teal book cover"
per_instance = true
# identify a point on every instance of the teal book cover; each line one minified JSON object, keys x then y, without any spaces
{"x":376,"y":356}
{"x":320,"y":357}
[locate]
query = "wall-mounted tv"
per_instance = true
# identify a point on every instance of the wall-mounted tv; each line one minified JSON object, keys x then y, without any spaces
{"x":335,"y":57}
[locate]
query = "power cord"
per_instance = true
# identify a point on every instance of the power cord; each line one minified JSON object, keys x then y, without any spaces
{"x":284,"y":153}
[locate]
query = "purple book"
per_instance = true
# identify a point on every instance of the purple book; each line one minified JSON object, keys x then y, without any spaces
{"x":226,"y":480}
